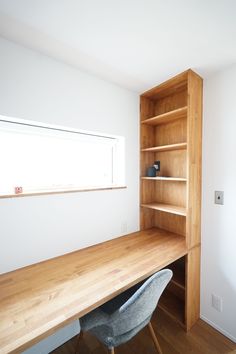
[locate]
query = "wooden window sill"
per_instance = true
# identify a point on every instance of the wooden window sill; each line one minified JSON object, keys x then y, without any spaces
{"x":61,"y":191}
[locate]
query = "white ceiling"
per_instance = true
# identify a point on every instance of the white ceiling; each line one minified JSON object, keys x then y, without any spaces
{"x":134,"y":43}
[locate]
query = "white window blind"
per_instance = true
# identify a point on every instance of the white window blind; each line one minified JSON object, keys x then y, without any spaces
{"x":37,"y":157}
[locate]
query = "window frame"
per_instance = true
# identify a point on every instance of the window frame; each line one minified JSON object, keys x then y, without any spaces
{"x":120,"y":141}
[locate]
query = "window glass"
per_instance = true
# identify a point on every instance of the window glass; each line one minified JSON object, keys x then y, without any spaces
{"x":36,"y":158}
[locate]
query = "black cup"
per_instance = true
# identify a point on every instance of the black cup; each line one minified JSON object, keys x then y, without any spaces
{"x":151,"y":172}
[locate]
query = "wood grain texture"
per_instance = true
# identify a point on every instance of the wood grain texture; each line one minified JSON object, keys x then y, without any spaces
{"x":178,"y":146}
{"x":147,"y":161}
{"x":168,"y":88}
{"x":173,"y":163}
{"x":172,"y":134}
{"x":173,"y":193}
{"x":178,"y":290}
{"x":177,"y":99}
{"x":147,"y":218}
{"x":147,"y":136}
{"x":173,"y":209}
{"x":194,"y":158}
{"x":170,"y":222}
{"x":147,"y":191}
{"x":167,"y":117}
{"x":60,"y":191}
{"x":173,"y":306}
{"x":169,"y":179}
{"x":147,"y":108}
{"x":37,"y":300}
{"x":178,"y":268}
{"x":192,"y":306}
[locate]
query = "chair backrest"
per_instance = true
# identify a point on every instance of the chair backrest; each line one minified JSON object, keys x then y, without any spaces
{"x":141,"y":304}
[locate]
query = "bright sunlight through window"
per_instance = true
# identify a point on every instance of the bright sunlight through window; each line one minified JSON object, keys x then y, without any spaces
{"x":38,"y":158}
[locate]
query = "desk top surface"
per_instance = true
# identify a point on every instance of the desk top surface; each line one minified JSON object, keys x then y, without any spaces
{"x":37,"y":300}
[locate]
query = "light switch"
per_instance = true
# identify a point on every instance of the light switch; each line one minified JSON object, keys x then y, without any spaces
{"x":216,"y":302}
{"x":219,"y":197}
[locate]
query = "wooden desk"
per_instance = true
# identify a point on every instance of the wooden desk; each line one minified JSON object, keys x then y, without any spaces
{"x":37,"y":300}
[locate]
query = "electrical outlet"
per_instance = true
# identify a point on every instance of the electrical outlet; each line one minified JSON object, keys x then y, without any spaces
{"x":219,"y":197}
{"x":216,"y":302}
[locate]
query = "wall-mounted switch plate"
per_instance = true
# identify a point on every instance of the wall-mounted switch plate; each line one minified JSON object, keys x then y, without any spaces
{"x":216,"y":302}
{"x":219,"y":197}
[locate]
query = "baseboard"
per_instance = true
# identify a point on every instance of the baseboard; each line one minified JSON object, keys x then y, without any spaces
{"x":54,"y":341}
{"x":219,"y":329}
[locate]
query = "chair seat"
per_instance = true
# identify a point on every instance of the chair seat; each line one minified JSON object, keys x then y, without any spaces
{"x":104,"y":334}
{"x":121,"y":318}
{"x":102,"y":314}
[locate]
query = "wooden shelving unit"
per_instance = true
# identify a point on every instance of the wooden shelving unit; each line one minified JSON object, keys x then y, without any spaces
{"x":173,"y":209}
{"x":179,"y":146}
{"x":167,"y":117}
{"x":173,"y":306}
{"x":170,"y":131}
{"x":178,"y":269}
{"x":170,"y":179}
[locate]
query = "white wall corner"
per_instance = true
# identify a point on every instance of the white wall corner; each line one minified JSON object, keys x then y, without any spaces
{"x":218,"y":328}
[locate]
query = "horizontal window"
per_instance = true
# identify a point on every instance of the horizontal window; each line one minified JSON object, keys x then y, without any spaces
{"x":38,"y":158}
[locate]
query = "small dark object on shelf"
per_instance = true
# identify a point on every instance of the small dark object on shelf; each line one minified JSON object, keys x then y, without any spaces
{"x":157,"y":165}
{"x":152,"y":171}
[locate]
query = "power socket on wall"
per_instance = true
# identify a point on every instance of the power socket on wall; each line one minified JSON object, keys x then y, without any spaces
{"x":219,"y":197}
{"x":216,"y":302}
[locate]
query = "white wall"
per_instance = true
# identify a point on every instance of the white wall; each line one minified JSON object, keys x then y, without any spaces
{"x":33,"y":86}
{"x":219,"y":222}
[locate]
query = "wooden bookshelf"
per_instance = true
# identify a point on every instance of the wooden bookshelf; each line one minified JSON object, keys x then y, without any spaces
{"x":170,"y":179}
{"x":173,"y":306}
{"x":167,"y":117}
{"x":177,"y":210}
{"x":179,"y":276}
{"x":170,"y":131}
{"x":179,"y":146}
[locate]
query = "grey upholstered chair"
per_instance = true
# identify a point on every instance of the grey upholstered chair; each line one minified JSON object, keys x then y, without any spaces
{"x":123,"y":317}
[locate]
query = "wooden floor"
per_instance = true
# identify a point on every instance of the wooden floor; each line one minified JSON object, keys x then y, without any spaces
{"x":202,"y":339}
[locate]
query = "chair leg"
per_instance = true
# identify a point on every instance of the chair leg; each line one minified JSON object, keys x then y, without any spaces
{"x":154,"y":338}
{"x":80,"y":336}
